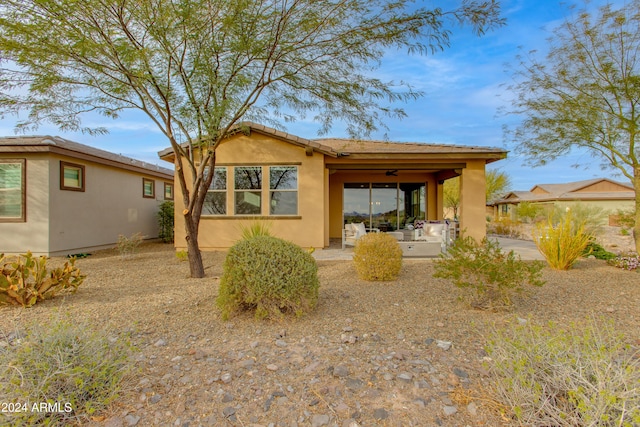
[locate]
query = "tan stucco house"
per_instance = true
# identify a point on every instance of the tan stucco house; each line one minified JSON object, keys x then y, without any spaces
{"x":309,"y":189}
{"x":58,"y":197}
{"x":604,"y":193}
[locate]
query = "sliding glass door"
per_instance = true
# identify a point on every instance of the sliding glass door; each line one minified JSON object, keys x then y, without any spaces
{"x":384,"y":206}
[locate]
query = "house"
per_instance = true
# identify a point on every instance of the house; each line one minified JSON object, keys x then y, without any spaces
{"x":603,"y":193}
{"x":58,"y":197}
{"x":309,"y":189}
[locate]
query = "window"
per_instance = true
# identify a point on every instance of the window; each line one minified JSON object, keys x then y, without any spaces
{"x":71,"y":176}
{"x":385,"y":206}
{"x":215,"y":202}
{"x":248,"y":190}
{"x":168,"y":191}
{"x":283,"y":183}
{"x":12,"y":191}
{"x":148,"y":188}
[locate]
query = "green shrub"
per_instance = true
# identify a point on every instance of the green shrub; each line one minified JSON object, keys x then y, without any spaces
{"x":590,"y":218}
{"x":596,"y":250}
{"x":256,"y":228}
{"x":128,"y":246}
{"x":76,"y":369}
{"x":377,"y":256}
{"x":25,"y":280}
{"x":493,"y":276}
{"x":584,"y":375}
{"x":561,"y":244}
{"x":529,"y":211}
{"x":504,"y":227}
{"x":182,"y":255}
{"x":268,"y":275}
{"x":165,"y":221}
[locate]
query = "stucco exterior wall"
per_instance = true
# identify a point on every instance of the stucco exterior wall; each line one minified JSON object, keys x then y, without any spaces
{"x":473,"y":200}
{"x":305,"y":229}
{"x":63,"y":222}
{"x":112,"y":204}
{"x":33,"y":235}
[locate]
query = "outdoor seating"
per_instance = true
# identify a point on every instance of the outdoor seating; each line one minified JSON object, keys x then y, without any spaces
{"x":423,"y":238}
{"x":353,"y":231}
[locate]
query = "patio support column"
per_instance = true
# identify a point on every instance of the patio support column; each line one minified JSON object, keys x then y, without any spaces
{"x":327,"y":213}
{"x":440,"y":199}
{"x":473,"y":200}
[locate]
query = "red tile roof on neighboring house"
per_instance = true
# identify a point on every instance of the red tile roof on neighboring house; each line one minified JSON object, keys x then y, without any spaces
{"x":571,"y":191}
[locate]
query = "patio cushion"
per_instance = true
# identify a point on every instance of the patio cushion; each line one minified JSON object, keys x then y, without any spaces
{"x":359,"y":229}
{"x":433,"y":230}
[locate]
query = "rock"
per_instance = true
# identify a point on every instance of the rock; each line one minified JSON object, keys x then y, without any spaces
{"x":160,"y":343}
{"x":354,"y":383}
{"x":405,"y":377}
{"x":272,"y":367}
{"x":281,"y":343}
{"x":472,"y":409}
{"x":460,"y":373}
{"x":380,"y":414}
{"x":341,"y":371}
{"x":226,"y":378}
{"x":445,"y":345}
{"x":449,"y":410}
{"x":227,"y":397}
{"x":319,"y":420}
{"x":228,"y":411}
{"x":155,"y":398}
{"x":132,"y":420}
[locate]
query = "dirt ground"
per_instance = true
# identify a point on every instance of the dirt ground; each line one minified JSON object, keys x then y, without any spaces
{"x":372,"y":354}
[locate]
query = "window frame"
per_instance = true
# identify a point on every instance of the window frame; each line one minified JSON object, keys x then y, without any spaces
{"x":168,"y":186}
{"x":153,"y":188}
{"x":214,"y":190}
{"x":23,"y":191}
{"x":237,"y":191}
{"x":285,"y":190}
{"x":81,"y":176}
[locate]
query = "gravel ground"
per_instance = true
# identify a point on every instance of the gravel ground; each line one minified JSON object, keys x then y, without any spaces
{"x":372,"y":354}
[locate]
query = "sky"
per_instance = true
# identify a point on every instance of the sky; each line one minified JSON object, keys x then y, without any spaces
{"x":464,"y":88}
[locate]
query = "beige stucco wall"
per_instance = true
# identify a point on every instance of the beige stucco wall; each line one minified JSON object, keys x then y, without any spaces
{"x":305,"y":229}
{"x":63,"y":222}
{"x":33,"y":235}
{"x":473,"y":200}
{"x":112,"y":204}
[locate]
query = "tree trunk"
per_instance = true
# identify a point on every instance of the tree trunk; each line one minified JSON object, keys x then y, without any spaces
{"x":196,"y":266}
{"x":636,"y":227}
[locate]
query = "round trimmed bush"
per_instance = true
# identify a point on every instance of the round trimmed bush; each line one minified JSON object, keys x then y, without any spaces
{"x":377,"y":256}
{"x":269,"y":275}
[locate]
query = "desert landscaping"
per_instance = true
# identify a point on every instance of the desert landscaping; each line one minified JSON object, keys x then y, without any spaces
{"x":402,"y":353}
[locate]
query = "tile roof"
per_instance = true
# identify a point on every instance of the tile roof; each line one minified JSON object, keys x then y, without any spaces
{"x":569,"y":191}
{"x":335,"y":147}
{"x":74,"y":149}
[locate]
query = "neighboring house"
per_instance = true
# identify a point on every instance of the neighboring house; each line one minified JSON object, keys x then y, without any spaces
{"x":309,"y":189}
{"x":604,"y":193}
{"x":58,"y":197}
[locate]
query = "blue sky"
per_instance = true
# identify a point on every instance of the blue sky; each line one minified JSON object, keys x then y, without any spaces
{"x":463,"y":90}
